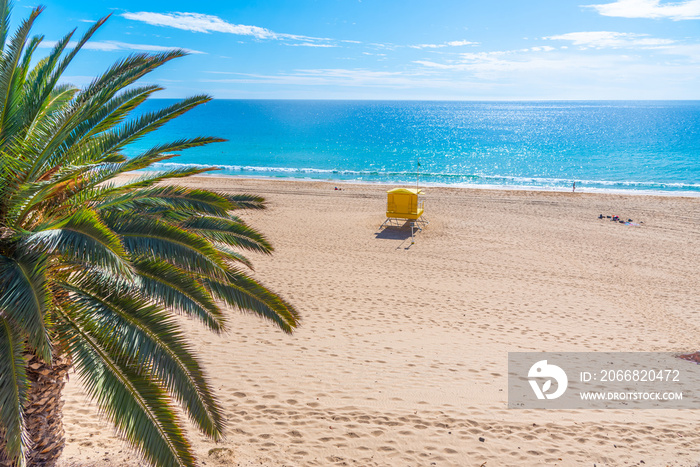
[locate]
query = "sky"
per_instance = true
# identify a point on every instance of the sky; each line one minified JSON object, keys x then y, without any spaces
{"x":389,"y":49}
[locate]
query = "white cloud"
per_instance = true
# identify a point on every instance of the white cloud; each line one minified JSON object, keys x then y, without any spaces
{"x":504,"y":64}
{"x":444,"y":44}
{"x":575,"y":74}
{"x":338,"y":77}
{"x":609,"y":39}
{"x":198,"y":22}
{"x":691,"y":52}
{"x":310,"y":44}
{"x":518,"y":74}
{"x":460,"y":43}
{"x":485,"y":65}
{"x":653,"y":9}
{"x":111,"y":46}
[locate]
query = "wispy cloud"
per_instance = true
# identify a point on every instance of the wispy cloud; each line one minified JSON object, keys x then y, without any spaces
{"x":310,"y":44}
{"x":444,"y":44}
{"x":563,"y":73}
{"x":691,"y":52}
{"x":198,"y":22}
{"x":111,"y":46}
{"x":338,"y":77}
{"x":497,"y":64}
{"x":535,"y":72}
{"x":609,"y":39}
{"x":653,"y":9}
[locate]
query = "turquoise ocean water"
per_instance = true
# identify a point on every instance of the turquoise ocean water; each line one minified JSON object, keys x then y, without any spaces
{"x":603,"y":146}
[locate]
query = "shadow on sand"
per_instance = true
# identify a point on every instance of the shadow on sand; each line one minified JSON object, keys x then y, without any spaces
{"x":395,"y":233}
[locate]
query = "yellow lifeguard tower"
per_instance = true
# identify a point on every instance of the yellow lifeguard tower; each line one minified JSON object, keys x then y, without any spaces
{"x":403,"y":204}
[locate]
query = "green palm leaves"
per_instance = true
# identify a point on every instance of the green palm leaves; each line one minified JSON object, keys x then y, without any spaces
{"x":95,"y":269}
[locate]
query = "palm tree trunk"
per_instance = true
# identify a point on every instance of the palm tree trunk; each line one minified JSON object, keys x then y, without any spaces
{"x":43,"y":412}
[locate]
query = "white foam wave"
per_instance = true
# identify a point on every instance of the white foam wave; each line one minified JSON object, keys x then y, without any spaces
{"x":451,"y":179}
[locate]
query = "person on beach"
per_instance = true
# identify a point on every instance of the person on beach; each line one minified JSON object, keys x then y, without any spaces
{"x":573,"y":190}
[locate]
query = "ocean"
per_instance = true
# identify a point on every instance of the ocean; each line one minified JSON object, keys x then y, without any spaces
{"x":638,"y":146}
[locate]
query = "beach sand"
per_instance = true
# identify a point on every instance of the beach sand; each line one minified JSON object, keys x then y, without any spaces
{"x":401,"y":358}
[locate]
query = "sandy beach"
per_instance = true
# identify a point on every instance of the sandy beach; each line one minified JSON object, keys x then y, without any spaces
{"x":401,"y":358}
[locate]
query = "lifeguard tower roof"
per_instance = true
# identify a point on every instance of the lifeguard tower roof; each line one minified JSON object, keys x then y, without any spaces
{"x":405,"y":191}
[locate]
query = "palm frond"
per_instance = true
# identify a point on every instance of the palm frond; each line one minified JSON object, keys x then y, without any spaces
{"x":9,"y":70}
{"x":180,"y":199}
{"x":177,"y":289}
{"x":5,"y":9}
{"x":134,"y":130}
{"x":138,"y":407}
{"x":82,"y":237}
{"x":230,"y":232}
{"x":165,"y":151}
{"x":146,"y":236}
{"x":87,"y":102}
{"x":232,"y":256}
{"x":247,"y":295}
{"x":245,"y":201}
{"x":149,"y":336}
{"x":13,"y":393}
{"x":25,"y":298}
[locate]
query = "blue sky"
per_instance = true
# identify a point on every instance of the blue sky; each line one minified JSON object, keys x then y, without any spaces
{"x":386,"y":49}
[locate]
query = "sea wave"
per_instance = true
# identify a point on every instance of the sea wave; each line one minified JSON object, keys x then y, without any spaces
{"x":442,"y":178}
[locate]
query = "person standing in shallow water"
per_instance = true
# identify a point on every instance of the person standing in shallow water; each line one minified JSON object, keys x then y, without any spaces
{"x":573,"y":189}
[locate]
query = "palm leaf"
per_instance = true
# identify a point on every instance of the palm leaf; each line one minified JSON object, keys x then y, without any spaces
{"x":148,"y":122}
{"x":82,"y":237}
{"x":137,"y":406}
{"x":9,"y":74}
{"x":245,"y":201}
{"x":13,"y":391}
{"x":248,"y":295}
{"x":174,"y":198}
{"x":229,"y":232}
{"x":5,"y":10}
{"x":131,"y":327}
{"x":146,"y":236}
{"x":25,"y":298}
{"x":179,"y":290}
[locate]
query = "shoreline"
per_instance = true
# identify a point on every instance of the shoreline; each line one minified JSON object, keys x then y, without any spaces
{"x":536,"y":189}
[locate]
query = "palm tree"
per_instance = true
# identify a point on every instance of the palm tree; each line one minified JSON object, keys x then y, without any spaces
{"x":94,"y":271}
